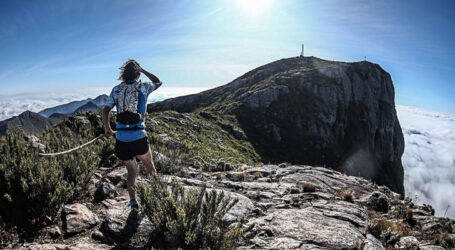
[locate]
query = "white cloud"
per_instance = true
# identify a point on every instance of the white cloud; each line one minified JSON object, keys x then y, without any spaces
{"x":12,"y":105}
{"x":429,"y":157}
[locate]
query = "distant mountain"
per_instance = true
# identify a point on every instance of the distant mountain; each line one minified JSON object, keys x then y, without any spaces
{"x":72,"y":107}
{"x":30,"y":122}
{"x":36,"y":123}
{"x":89,"y":106}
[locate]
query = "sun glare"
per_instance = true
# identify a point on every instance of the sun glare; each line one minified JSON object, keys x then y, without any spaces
{"x":254,"y":7}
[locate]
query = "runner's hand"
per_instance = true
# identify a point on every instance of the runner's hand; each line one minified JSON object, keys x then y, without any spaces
{"x":109,"y":132}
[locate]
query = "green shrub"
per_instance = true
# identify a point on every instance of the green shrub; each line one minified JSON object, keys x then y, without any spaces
{"x":379,"y":226}
{"x":409,"y":217}
{"x":308,"y":187}
{"x":444,"y":240}
{"x":188,"y":219}
{"x":347,"y":195}
{"x":169,"y":159}
{"x":32,"y":189}
{"x":201,"y":141}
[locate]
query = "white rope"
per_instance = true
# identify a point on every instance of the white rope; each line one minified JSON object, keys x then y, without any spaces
{"x":73,"y":149}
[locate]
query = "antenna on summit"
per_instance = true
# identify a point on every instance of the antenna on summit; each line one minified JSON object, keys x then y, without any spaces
{"x":301,"y":53}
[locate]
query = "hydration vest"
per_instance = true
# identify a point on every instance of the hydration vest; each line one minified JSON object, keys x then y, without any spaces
{"x":127,"y":107}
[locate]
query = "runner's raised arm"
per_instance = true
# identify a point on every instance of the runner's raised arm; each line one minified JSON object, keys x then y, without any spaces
{"x":152,"y":77}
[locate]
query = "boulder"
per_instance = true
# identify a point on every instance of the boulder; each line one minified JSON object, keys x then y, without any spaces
{"x":74,"y":246}
{"x":117,"y":175}
{"x":371,"y":243}
{"x":305,"y":226}
{"x":77,"y":218}
{"x":118,"y":222}
{"x":241,"y":209}
{"x":54,"y":231}
{"x":35,"y":142}
{"x":408,"y":242}
{"x":105,"y":191}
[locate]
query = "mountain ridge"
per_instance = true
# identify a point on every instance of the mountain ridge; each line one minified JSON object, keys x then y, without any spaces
{"x":36,"y":123}
{"x":72,"y":107}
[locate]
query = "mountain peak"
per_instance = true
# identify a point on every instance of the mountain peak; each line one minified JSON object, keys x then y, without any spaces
{"x":307,"y":110}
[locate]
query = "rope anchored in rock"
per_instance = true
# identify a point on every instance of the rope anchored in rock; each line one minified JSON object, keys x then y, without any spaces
{"x":73,"y":149}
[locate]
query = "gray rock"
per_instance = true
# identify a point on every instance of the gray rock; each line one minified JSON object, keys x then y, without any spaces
{"x":105,"y":191}
{"x":312,"y":247}
{"x":35,"y":142}
{"x":71,"y":246}
{"x":264,"y":97}
{"x":78,"y":218}
{"x":82,"y":119}
{"x":408,"y":242}
{"x":119,"y":224}
{"x":344,"y":211}
{"x":307,"y":226}
{"x":54,"y":231}
{"x":117,"y":175}
{"x":371,"y":243}
{"x":35,"y":246}
{"x":241,"y":209}
{"x":430,"y":247}
{"x":378,"y":202}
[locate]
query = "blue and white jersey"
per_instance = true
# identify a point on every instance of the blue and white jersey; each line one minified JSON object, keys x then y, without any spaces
{"x":133,"y":103}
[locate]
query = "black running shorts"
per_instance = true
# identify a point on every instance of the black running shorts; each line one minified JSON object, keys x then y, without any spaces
{"x":128,"y":150}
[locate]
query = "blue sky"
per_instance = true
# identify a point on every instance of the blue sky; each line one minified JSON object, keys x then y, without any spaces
{"x":49,"y":45}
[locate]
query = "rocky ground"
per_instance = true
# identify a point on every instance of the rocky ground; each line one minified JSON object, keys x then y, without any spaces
{"x":292,"y":207}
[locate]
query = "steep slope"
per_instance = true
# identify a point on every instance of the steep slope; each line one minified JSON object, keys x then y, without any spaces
{"x":72,"y":107}
{"x":306,"y":110}
{"x":30,"y":122}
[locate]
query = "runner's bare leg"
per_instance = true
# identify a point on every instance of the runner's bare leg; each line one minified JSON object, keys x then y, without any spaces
{"x":131,"y":166}
{"x":147,"y":160}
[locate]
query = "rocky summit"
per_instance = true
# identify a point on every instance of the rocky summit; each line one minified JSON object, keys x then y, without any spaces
{"x":290,"y":206}
{"x":306,"y":110}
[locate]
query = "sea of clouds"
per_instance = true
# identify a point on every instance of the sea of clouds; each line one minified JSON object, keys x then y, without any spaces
{"x":12,"y":105}
{"x":428,"y":159}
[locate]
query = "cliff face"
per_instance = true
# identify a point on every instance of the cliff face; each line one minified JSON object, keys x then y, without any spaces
{"x":312,"y":111}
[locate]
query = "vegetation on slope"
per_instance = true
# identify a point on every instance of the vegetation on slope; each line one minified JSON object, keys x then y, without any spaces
{"x":33,"y":189}
{"x":207,"y":142}
{"x":188,"y":219}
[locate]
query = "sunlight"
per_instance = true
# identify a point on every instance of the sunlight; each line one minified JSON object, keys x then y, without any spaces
{"x":254,"y":7}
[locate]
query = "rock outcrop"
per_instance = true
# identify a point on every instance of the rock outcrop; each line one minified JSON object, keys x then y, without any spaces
{"x":291,"y":207}
{"x":310,"y":111}
{"x":77,"y":218}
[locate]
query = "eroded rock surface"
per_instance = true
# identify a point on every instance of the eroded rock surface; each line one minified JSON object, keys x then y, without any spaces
{"x":291,"y":207}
